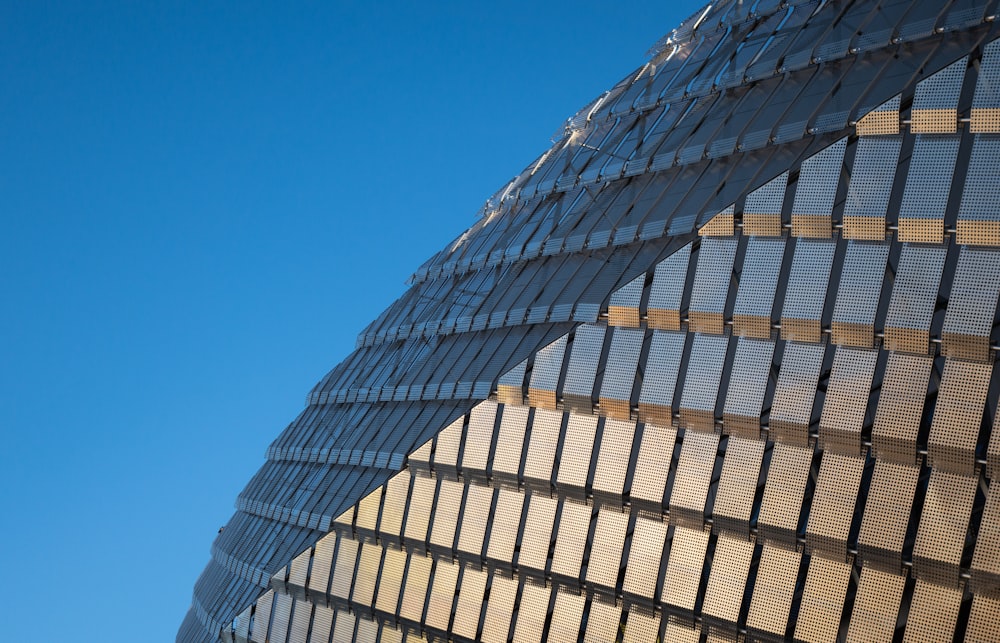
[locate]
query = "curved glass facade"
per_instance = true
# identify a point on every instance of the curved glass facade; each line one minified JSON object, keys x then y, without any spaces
{"x":718,"y":364}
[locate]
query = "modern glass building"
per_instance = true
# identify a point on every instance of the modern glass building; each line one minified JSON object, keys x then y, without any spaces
{"x":718,"y":366}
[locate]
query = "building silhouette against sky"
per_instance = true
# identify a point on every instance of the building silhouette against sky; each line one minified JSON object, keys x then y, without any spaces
{"x":718,"y":363}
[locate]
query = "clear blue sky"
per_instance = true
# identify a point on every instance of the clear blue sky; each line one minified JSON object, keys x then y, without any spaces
{"x":202,"y":206}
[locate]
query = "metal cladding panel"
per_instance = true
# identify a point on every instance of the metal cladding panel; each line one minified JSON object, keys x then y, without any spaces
{"x":510,"y":441}
{"x":623,"y":308}
{"x":603,"y":622}
{"x":613,"y":457}
{"x":900,"y":407}
{"x":645,"y":555}
{"x":606,"y":548}
{"x":887,"y":514}
{"x":727,"y":579}
{"x":870,"y":187}
{"x":418,"y":514}
{"x":415,"y":589}
{"x":474,"y":519}
{"x":833,"y":503}
{"x":567,"y":614}
{"x":933,"y":613}
{"x":446,"y":513}
{"x":983,"y":619}
{"x":773,"y":592}
{"x":711,"y":283}
{"x":661,"y":370}
{"x":795,"y":393}
{"x":580,"y":433}
{"x":822,"y":600}
{"x":985,"y":112}
{"x":479,"y":436}
{"x":758,"y":283}
{"x":876,"y":606}
{"x":985,"y":569}
{"x":928,"y":185}
{"x":684,"y":568}
{"x":499,"y":609}
{"x":979,"y":213}
{"x":545,"y":374}
{"x":470,"y":602}
{"x":935,"y":101}
{"x":510,"y":505}
{"x":642,"y":625}
{"x":532,"y":613}
{"x":571,"y":539}
{"x":583,"y":361}
{"x":937,"y":551}
{"x":620,"y":372}
{"x":693,"y":477}
{"x":783,"y":493}
{"x":651,"y":467}
{"x":390,"y":581}
{"x":542,"y":445}
{"x":343,"y":570}
{"x":701,"y":382}
{"x":858,"y":296}
{"x":748,"y":378}
{"x":958,"y":415}
{"x":972,"y":305}
{"x":667,"y":290}
{"x":734,"y":498}
{"x":762,"y":210}
{"x":806,"y":292}
{"x":847,"y":393}
{"x":914,"y":296}
{"x":442,"y":595}
{"x":537,"y":535}
{"x":816,"y":191}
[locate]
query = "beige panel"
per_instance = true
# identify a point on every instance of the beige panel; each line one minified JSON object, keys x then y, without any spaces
{"x":795,"y":393}
{"x":367,"y":631}
{"x":390,"y":581}
{"x":537,"y":531}
{"x":503,"y":537}
{"x":322,"y":624}
{"x":972,"y":304}
{"x":442,"y":595}
{"x":667,"y":290}
{"x":876,"y":607}
{"x":580,"y":433}
{"x":322,"y":566}
{"x":884,"y":119}
{"x":727,"y":578}
{"x":606,"y":548}
{"x":623,"y":308}
{"x":937,"y":552}
{"x":531,"y":614}
{"x":368,"y":509}
{"x":701,"y":382}
{"x":832,"y":508}
{"x":684,"y":567}
{"x":545,"y":374}
{"x":542,"y":445}
{"x":470,"y":602}
{"x":748,"y":378}
{"x":343,"y":628}
{"x":642,"y":625}
{"x":298,"y":573}
{"x":737,"y":487}
{"x":571,"y":539}
{"x":721,"y":225}
{"x":679,"y":632}
{"x":613,"y":457}
{"x":900,"y":408}
{"x":394,"y":503}
{"x":603,"y":622}
{"x":986,"y":557}
{"x":478,"y":436}
{"x":772,"y":594}
{"x":644,"y":557}
{"x":449,"y":441}
{"x":933,"y":613}
{"x":262,"y":617}
{"x":887,"y":514}
{"x":418,"y":514}
{"x":693,"y":478}
{"x":510,"y":386}
{"x":822,"y":601}
{"x":367,"y":574}
{"x":280,"y":617}
{"x":510,"y":441}
{"x":783,"y":492}
{"x":499,"y":609}
{"x":446,"y":512}
{"x":421,"y":456}
{"x":958,"y":415}
{"x":659,"y":381}
{"x":343,"y":568}
{"x":567,"y":613}
{"x":847,"y":393}
{"x":711,"y":285}
{"x":983,"y":620}
{"x":653,"y":463}
{"x":418,"y":576}
{"x":477,"y":512}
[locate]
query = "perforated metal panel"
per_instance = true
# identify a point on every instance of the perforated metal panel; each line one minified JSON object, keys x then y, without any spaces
{"x":642,"y":625}
{"x":847,"y":393}
{"x":652,"y":466}
{"x":928,"y":184}
{"x":737,"y":486}
{"x":711,"y":283}
{"x":582,"y":369}
{"x":853,"y":321}
{"x":832,"y":508}
{"x":772,"y":594}
{"x":806,"y":291}
{"x":442,"y":596}
{"x":537,"y":534}
{"x":623,"y":308}
{"x":914,"y":295}
{"x":935,"y":101}
{"x":762,"y":211}
{"x":531,"y":615}
{"x":667,"y":289}
{"x":958,"y":415}
{"x":983,"y":619}
{"x":394,"y":504}
{"x":499,"y":609}
{"x":883,"y":119}
{"x":448,"y":442}
{"x":721,"y":225}
{"x":510,"y":385}
{"x":748,"y":378}
{"x":603,"y":621}
{"x":758,"y":282}
{"x":545,"y":374}
{"x":979,"y":212}
{"x":701,"y":382}
{"x":390,"y":580}
{"x":816,"y":191}
{"x":542,"y":445}
{"x":933,"y":613}
{"x":567,"y":613}
{"x":474,"y":519}
{"x":510,"y":441}
{"x":972,"y":305}
{"x":620,"y":372}
{"x":876,"y":606}
{"x":580,"y":433}
{"x":870,"y":187}
{"x":606,"y":548}
{"x":470,"y":602}
{"x":446,"y":514}
{"x":660,"y":378}
{"x":415,"y":588}
{"x":727,"y":579}
{"x":985,"y":114}
{"x":613,"y":457}
{"x":694,"y":474}
{"x":503,"y":539}
{"x":985,"y":569}
{"x":479,"y":437}
{"x":795,"y":393}
{"x":886,"y":515}
{"x":571,"y":539}
{"x":783,"y":492}
{"x":644,"y":557}
{"x":684,"y":566}
{"x":418,"y":514}
{"x":822,"y":600}
{"x":937,"y":551}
